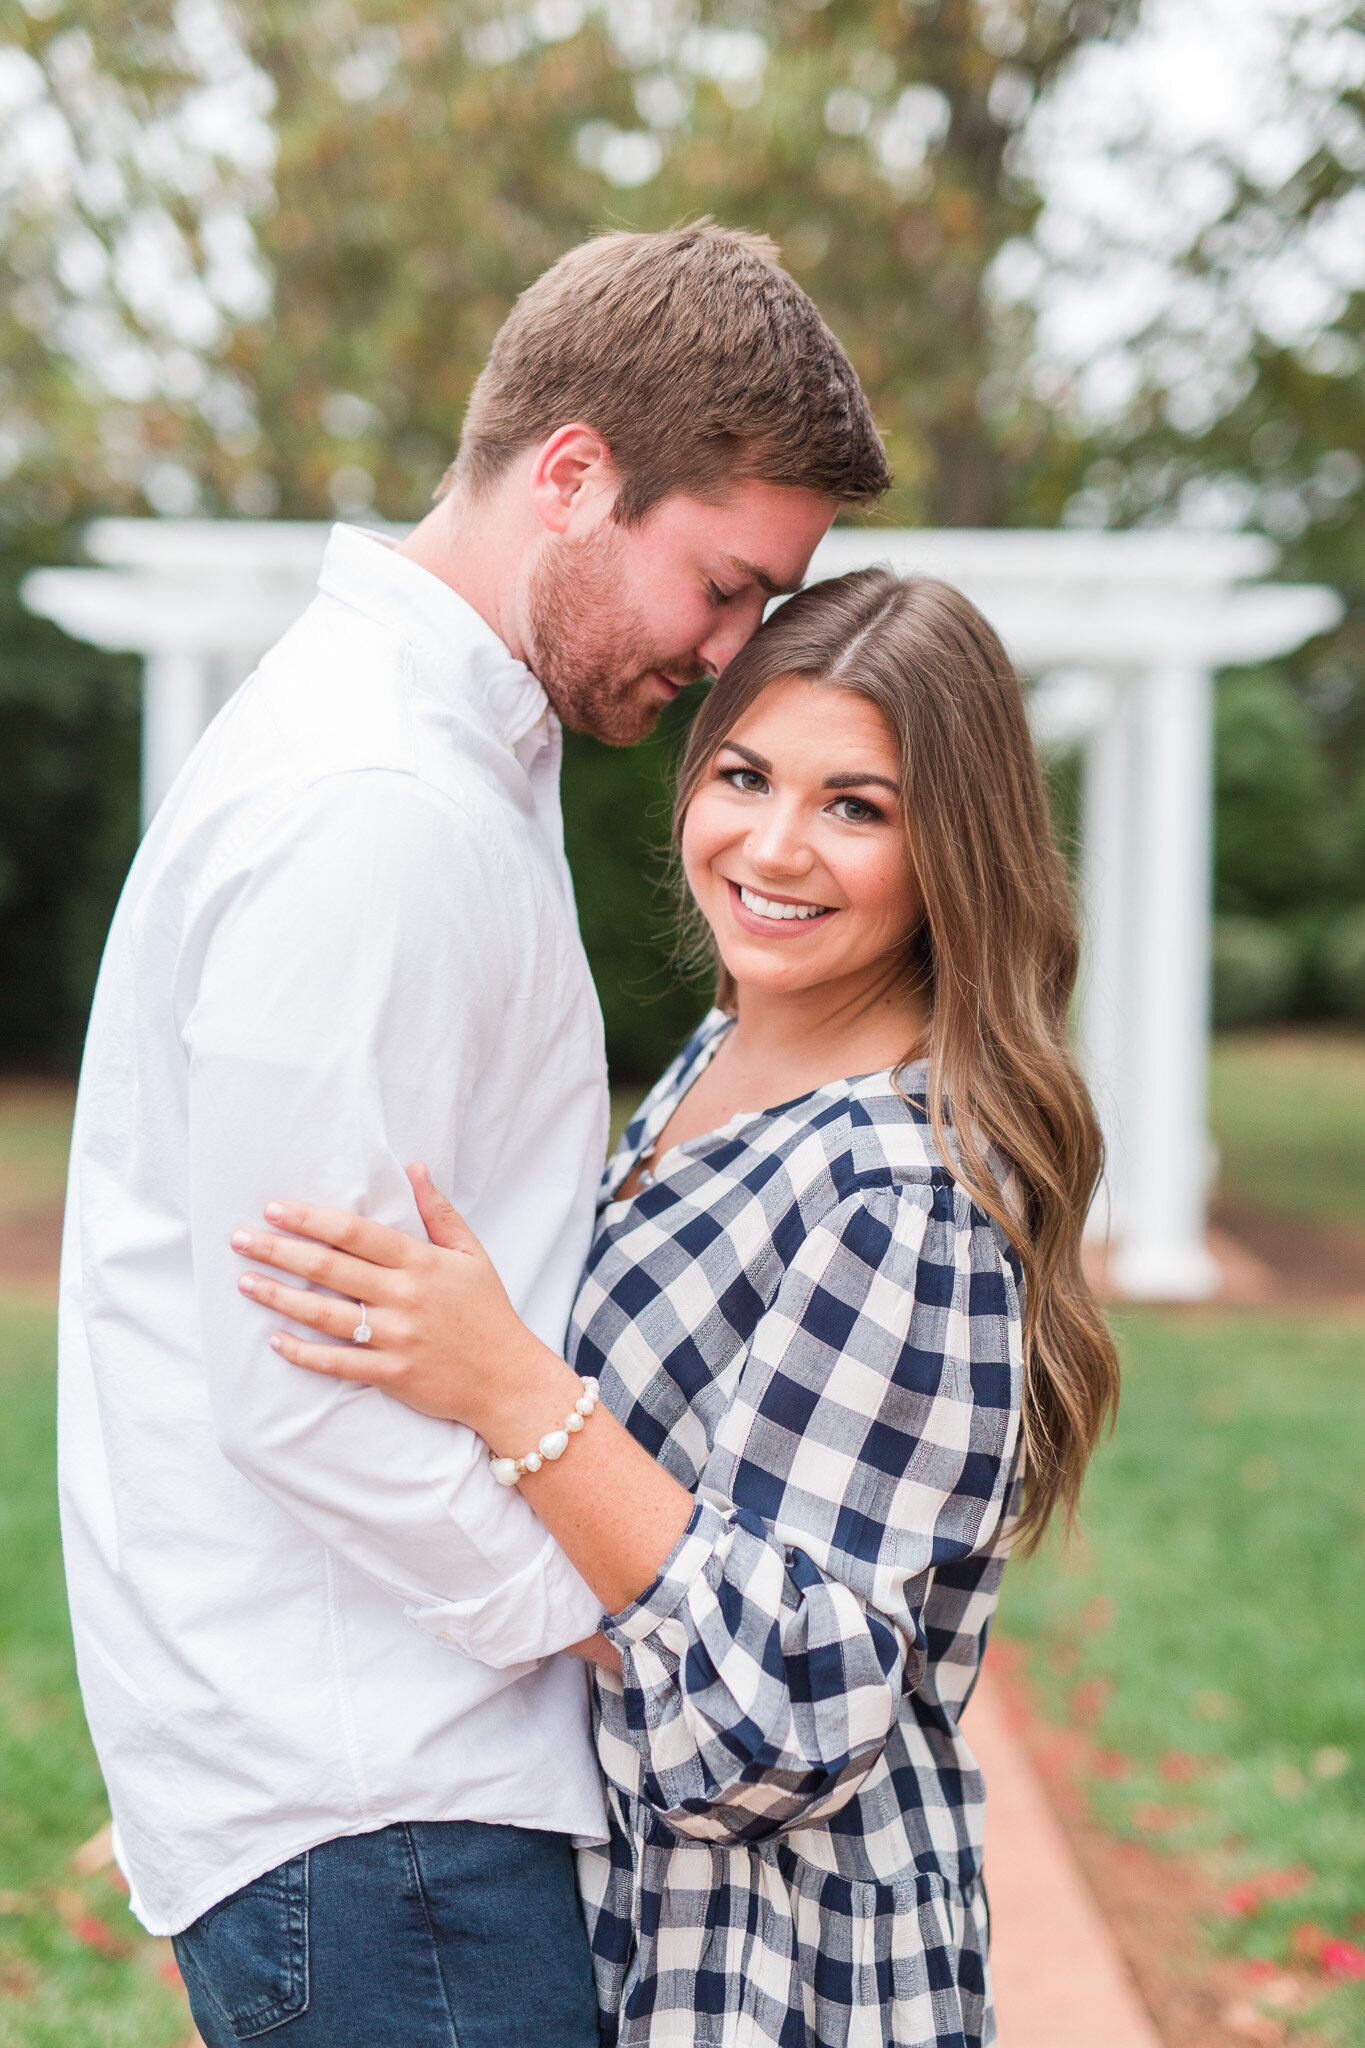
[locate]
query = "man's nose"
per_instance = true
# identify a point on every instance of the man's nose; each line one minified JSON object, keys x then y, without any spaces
{"x":735,"y":630}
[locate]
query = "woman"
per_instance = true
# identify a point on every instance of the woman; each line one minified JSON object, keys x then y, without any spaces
{"x":836,"y":1310}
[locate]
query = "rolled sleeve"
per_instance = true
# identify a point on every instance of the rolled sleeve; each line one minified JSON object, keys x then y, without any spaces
{"x":870,"y":1442}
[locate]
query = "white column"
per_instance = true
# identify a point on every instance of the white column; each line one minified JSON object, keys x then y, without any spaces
{"x":175,"y":710}
{"x":1105,"y":823}
{"x":1161,"y":1254}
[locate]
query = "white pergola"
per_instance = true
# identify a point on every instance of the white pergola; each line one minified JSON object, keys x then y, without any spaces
{"x":1120,"y":635}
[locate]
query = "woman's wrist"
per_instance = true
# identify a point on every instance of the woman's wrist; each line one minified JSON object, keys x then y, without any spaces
{"x":531,"y":1392}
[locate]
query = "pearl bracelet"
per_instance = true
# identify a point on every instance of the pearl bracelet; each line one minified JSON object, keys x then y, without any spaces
{"x":507,"y":1471}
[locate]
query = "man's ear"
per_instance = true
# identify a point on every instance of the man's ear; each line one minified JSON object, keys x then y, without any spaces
{"x":573,"y":481}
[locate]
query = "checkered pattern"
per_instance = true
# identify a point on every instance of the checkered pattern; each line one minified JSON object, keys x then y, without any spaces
{"x":810,"y":1326}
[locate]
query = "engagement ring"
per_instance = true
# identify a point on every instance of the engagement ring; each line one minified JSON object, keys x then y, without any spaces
{"x":362,"y":1332}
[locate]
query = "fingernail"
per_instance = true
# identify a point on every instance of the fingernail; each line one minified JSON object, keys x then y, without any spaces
{"x":241,"y":1240}
{"x":274,"y":1212}
{"x":247,"y":1283}
{"x":277,"y":1342}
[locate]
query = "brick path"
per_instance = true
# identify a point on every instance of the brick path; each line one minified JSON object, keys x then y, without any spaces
{"x":1059,"y":1979}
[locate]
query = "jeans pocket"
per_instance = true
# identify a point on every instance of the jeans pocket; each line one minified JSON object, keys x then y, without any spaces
{"x":249,"y":1954}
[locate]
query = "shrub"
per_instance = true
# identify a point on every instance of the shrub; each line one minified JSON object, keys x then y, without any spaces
{"x":68,"y":822}
{"x":1255,"y":971}
{"x":1344,"y":958}
{"x":617,"y":802}
{"x":1277,"y":831}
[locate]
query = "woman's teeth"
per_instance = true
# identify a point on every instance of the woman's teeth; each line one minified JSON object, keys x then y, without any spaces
{"x":763,"y":906}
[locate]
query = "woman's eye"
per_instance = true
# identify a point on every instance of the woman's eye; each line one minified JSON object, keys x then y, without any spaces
{"x":747,"y":779}
{"x":854,"y":811}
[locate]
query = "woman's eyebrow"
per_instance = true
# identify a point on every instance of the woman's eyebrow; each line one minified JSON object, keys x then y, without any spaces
{"x":747,"y":754}
{"x":849,"y":780}
{"x":858,"y":781}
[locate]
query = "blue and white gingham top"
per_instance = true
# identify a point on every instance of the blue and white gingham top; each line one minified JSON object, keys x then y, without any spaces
{"x":814,"y":1330}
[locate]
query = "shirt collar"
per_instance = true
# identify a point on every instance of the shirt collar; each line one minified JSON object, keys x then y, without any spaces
{"x":459,"y":656}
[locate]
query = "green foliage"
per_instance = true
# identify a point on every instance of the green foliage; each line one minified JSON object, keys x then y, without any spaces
{"x":68,"y":819}
{"x":1255,"y":971}
{"x":616,"y":827}
{"x":136,"y":152}
{"x":1345,"y":963}
{"x":1286,"y":862}
{"x":417,"y":197}
{"x":1277,"y":840}
{"x":434,"y":159}
{"x":1214,"y":1608}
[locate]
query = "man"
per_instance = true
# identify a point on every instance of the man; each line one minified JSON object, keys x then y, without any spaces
{"x":316,"y":1640}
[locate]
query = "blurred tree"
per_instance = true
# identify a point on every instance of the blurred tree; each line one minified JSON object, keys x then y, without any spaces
{"x":68,"y":817}
{"x":1279,"y":841}
{"x":135,"y":151}
{"x":1198,"y":270}
{"x":134,"y":148}
{"x":434,"y":159}
{"x":431,"y":160}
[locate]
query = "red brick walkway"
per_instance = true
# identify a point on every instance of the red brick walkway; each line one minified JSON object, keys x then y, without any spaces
{"x":1060,"y":1981}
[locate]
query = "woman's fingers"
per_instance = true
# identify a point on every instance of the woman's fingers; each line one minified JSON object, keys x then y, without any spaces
{"x":347,"y":1232}
{"x":346,"y":1362}
{"x":343,"y":1272}
{"x":302,"y":1305}
{"x":444,"y":1224}
{"x":318,"y":1263}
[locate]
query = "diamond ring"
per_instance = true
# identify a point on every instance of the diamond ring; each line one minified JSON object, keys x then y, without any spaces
{"x":362,"y":1332}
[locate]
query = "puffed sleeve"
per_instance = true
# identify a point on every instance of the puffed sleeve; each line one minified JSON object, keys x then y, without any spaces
{"x":871,"y":1442}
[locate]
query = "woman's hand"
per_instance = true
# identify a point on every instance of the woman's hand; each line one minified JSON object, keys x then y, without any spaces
{"x":445,"y":1338}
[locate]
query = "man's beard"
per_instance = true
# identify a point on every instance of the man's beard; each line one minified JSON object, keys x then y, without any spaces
{"x":589,"y":649}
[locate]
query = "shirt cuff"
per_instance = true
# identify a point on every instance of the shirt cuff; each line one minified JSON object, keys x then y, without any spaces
{"x":544,"y":1607}
{"x":706,"y":1534}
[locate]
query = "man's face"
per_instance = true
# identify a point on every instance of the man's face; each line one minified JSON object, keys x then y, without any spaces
{"x":617,"y":621}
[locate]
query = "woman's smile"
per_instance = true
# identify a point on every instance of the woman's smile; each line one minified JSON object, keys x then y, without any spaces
{"x":774,"y":916}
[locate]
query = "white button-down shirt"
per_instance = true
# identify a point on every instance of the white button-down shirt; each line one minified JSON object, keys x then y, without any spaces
{"x":347,"y":942}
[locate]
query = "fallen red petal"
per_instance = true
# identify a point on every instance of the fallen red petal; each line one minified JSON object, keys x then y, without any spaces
{"x":1307,"y":1942}
{"x":1243,"y":1900}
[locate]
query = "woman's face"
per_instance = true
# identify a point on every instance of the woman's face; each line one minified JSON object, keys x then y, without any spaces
{"x":795,"y":844}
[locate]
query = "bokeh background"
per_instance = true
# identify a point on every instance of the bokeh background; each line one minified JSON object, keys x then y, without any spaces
{"x":1099,"y":264}
{"x":1096,"y":264}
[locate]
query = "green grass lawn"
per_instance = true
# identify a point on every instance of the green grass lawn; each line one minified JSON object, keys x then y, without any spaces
{"x":1288,"y":1112}
{"x":1210,"y":1627}
{"x":76,"y":1971}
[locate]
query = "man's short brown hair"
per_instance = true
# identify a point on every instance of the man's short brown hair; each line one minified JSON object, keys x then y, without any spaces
{"x":696,"y":358}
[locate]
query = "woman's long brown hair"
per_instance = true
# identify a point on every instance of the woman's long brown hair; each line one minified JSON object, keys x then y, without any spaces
{"x":996,"y":954}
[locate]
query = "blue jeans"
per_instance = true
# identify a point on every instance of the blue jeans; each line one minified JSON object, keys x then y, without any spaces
{"x":428,"y":1934}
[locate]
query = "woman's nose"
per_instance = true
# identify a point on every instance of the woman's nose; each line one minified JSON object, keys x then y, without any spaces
{"x":779,"y":844}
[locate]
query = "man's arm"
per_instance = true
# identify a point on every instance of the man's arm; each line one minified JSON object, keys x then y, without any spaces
{"x":346,"y":992}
